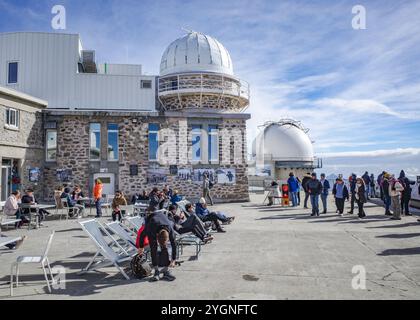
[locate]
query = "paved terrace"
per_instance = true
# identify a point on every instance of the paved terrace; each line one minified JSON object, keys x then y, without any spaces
{"x":267,"y":253}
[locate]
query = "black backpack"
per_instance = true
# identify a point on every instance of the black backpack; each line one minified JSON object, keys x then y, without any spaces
{"x":211,"y":184}
{"x":140,"y":267}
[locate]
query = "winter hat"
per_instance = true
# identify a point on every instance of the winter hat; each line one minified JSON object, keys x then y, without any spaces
{"x":402,"y":174}
{"x":202,"y":200}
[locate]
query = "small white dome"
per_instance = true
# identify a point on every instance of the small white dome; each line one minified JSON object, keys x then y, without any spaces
{"x":285,"y":142}
{"x":196,"y":52}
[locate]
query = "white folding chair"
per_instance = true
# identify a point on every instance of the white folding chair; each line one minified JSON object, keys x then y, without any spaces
{"x":125,"y":234}
{"x":42,"y":260}
{"x":105,"y":248}
{"x":136,"y":222}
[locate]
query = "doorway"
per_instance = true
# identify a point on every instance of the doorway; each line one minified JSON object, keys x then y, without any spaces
{"x":108,"y":182}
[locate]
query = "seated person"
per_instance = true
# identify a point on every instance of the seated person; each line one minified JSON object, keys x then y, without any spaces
{"x":119,"y":200}
{"x":175,"y":198}
{"x":185,"y":225}
{"x":76,"y":194}
{"x":71,"y":203}
{"x":159,"y":230}
{"x":205,"y":215}
{"x":222,"y":216}
{"x":156,"y":199}
{"x":167,"y":192}
{"x":29,"y":198}
{"x":274,"y":192}
{"x":11,"y":208}
{"x":137,"y":197}
{"x":57,"y":196}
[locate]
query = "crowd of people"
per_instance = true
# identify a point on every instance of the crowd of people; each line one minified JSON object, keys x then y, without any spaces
{"x":394,"y":192}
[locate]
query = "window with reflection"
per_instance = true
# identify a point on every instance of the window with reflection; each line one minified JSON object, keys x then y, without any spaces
{"x":196,"y":142}
{"x":213,"y":143}
{"x":51,"y":144}
{"x":95,"y":141}
{"x":112,"y":141}
{"x":153,"y":141}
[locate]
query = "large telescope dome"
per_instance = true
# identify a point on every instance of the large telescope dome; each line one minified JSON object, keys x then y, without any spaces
{"x":196,"y":52}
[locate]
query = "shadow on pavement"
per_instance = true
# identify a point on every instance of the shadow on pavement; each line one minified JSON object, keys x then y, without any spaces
{"x":400,"y":252}
{"x":400,"y":236}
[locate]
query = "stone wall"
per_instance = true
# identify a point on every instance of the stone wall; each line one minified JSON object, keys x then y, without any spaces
{"x":73,"y":153}
{"x":25,"y":144}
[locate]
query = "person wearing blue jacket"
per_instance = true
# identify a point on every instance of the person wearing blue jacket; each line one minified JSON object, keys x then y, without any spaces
{"x":325,"y":190}
{"x":293,"y":188}
{"x":175,"y":198}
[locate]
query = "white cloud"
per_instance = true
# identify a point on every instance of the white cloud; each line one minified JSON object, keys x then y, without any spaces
{"x":373,"y":153}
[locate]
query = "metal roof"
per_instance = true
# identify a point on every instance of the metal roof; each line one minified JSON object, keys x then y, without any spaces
{"x":196,"y":52}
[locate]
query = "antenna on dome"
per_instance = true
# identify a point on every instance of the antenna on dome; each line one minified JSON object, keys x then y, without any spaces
{"x":187,"y":30}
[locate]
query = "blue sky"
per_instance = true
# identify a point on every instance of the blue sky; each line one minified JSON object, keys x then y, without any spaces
{"x":358,"y":91}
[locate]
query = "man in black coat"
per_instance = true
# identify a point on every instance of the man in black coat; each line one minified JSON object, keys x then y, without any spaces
{"x":305,"y":181}
{"x":314,"y":187}
{"x":159,"y":230}
{"x":406,"y":194}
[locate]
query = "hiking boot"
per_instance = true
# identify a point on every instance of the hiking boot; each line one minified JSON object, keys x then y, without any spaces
{"x":313,"y":214}
{"x":208,"y":239}
{"x":388,"y":213}
{"x":155,"y":276}
{"x":408,"y":214}
{"x":168,"y":276}
{"x":221,"y":230}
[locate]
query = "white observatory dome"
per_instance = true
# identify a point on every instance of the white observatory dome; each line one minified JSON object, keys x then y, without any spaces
{"x":285,"y":141}
{"x":196,"y":52}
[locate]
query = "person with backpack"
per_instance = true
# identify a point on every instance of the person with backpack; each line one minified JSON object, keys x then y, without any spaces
{"x":379,"y":180}
{"x":341,"y":193}
{"x":395,"y":189}
{"x":159,"y":231}
{"x":366,"y":180}
{"x":406,"y":193}
{"x":293,"y":188}
{"x":207,"y":185}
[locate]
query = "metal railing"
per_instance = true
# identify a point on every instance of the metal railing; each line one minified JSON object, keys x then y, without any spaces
{"x":203,"y":83}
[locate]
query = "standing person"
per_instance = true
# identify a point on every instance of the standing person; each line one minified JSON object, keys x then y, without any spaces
{"x":360,"y":195}
{"x":305,"y":181}
{"x":387,"y":197}
{"x":119,"y":200}
{"x":395,"y":189}
{"x":372,"y":186}
{"x":341,"y":193}
{"x":324,"y":193}
{"x":314,"y":187}
{"x":274,"y":192}
{"x":207,"y":184}
{"x":299,"y":188}
{"x":97,"y":195}
{"x":380,"y":181}
{"x":366,"y":180}
{"x":406,"y":193}
{"x":352,"y":183}
{"x":293,"y":188}
{"x":159,"y":230}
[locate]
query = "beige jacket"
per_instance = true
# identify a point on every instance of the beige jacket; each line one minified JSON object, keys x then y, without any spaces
{"x":11,"y":206}
{"x":398,"y":189}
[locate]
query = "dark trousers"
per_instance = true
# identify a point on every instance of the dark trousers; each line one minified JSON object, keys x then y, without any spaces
{"x":360,"y":205}
{"x":116,"y":215}
{"x":387,"y":202}
{"x":305,"y":202}
{"x":98,"y":208}
{"x":212,"y":216}
{"x":298,"y":197}
{"x":193,"y":224}
{"x":315,"y":203}
{"x":405,"y":201}
{"x":154,"y":252}
{"x":339,"y":203}
{"x":352,"y":201}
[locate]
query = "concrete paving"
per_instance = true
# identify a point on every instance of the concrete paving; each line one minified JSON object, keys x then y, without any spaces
{"x":267,"y":253}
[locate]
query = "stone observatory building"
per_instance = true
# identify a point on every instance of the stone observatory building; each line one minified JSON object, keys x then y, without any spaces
{"x":283,"y":147}
{"x":133,"y":131}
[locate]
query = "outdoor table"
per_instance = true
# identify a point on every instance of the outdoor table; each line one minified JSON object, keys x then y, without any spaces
{"x":37,"y":207}
{"x":88,"y":200}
